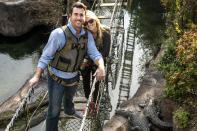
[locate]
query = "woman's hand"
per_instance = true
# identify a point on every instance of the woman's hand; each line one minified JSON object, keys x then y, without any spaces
{"x":100,"y":73}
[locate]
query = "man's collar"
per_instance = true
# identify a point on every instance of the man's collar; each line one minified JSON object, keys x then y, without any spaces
{"x":74,"y":31}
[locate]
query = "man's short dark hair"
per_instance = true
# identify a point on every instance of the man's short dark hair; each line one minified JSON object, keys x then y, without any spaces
{"x":78,"y":5}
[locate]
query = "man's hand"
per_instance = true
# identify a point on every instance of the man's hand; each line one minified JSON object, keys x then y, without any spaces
{"x":35,"y":79}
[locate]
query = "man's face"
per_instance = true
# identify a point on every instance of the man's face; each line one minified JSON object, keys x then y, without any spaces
{"x":77,"y":17}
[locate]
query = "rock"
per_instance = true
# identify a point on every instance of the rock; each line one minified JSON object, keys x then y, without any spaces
{"x":19,"y":17}
{"x":116,"y":123}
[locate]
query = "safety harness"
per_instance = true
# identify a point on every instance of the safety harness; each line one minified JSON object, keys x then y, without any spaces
{"x":60,"y":80}
{"x":70,"y":57}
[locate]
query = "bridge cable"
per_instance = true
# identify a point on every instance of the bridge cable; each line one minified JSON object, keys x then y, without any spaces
{"x":113,"y":13}
{"x":87,"y":106}
{"x":19,"y":108}
{"x":27,"y":127}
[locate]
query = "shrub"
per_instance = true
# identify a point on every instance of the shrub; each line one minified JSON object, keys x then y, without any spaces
{"x":179,"y":67}
{"x":181,"y":118}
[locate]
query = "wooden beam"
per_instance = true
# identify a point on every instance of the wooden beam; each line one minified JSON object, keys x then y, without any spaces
{"x":110,"y":4}
{"x":104,"y":17}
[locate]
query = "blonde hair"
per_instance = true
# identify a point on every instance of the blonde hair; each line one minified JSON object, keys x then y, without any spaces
{"x":92,"y":15}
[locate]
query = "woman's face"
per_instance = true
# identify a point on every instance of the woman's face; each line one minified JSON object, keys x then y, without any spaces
{"x":90,"y":24}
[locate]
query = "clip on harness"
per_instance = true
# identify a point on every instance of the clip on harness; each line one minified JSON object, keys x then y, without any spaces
{"x":59,"y":80}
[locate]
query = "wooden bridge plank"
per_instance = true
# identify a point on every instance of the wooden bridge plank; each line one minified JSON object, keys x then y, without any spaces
{"x":110,"y":4}
{"x":104,"y":17}
{"x":80,"y":100}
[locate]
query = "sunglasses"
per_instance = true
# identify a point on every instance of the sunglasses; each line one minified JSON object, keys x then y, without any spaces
{"x":90,"y":21}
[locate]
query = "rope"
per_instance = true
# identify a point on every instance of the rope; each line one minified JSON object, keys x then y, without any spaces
{"x":18,"y":109}
{"x":35,"y":111}
{"x":87,"y":106}
{"x":101,"y":91}
{"x":99,"y":96}
{"x":93,"y":4}
{"x":113,"y":13}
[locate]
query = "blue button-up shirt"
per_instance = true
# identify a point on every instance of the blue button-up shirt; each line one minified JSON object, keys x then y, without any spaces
{"x":56,"y":42}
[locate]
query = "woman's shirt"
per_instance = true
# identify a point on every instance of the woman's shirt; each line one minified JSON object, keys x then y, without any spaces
{"x":104,"y":50}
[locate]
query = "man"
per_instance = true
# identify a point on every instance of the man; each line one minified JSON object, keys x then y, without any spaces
{"x":63,"y":53}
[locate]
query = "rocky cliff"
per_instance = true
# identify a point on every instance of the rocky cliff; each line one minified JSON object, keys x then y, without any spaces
{"x":19,"y":17}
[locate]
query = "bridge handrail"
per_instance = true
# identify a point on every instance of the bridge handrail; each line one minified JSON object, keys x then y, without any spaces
{"x":87,"y":106}
{"x":19,"y":108}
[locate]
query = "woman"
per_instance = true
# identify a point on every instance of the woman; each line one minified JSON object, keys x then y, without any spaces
{"x":102,"y":39}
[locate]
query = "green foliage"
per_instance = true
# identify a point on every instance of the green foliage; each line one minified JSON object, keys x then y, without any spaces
{"x":181,"y":12}
{"x":168,"y":65}
{"x":180,"y":59}
{"x":181,"y":118}
{"x":179,"y":67}
{"x":179,"y":62}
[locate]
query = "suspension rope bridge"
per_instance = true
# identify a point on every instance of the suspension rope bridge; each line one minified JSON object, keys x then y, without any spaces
{"x":114,"y":61}
{"x":126,"y":74}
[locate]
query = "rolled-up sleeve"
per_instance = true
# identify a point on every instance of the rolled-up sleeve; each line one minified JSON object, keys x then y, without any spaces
{"x":92,"y":51}
{"x":56,"y":42}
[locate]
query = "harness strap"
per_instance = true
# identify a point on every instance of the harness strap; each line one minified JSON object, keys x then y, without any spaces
{"x":59,"y":80}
